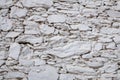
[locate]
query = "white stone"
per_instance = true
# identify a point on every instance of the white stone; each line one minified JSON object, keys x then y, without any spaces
{"x":81,"y":27}
{"x":79,"y":69}
{"x":39,"y":62}
{"x":94,"y":64}
{"x":30,"y":39}
{"x":36,"y":18}
{"x":46,"y":29}
{"x":37,"y":3}
{"x":104,"y":39}
{"x":14,"y":50}
{"x":3,"y":55}
{"x":2,"y":62}
{"x":25,"y":62}
{"x":98,"y":46}
{"x":116,"y":39}
{"x":18,"y":12}
{"x":73,"y":48}
{"x":6,"y":3}
{"x":15,"y":74}
{"x":5,"y":24}
{"x":12,"y":34}
{"x":87,"y":56}
{"x":67,"y":77}
{"x":113,"y":14}
{"x":111,"y":46}
{"x":43,"y":72}
{"x":106,"y":30}
{"x":56,"y":18}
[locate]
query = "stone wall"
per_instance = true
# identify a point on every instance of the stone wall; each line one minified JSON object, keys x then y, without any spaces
{"x":59,"y":40}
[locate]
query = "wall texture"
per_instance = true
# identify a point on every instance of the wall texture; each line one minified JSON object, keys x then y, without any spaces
{"x":59,"y":39}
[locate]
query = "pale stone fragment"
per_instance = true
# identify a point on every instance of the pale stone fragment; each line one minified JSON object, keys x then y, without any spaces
{"x":43,"y":72}
{"x":6,"y":3}
{"x":14,"y":51}
{"x":12,"y":34}
{"x":56,"y":18}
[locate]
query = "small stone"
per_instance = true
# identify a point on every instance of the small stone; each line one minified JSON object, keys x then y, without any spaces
{"x":14,"y":50}
{"x":3,"y":55}
{"x":94,"y":64}
{"x":56,"y":18}
{"x":43,"y":72}
{"x":6,"y":3}
{"x":18,"y":12}
{"x":67,"y":77}
{"x":98,"y":46}
{"x":39,"y":62}
{"x":5,"y":24}
{"x":104,"y":39}
{"x":12,"y":34}
{"x":113,"y":14}
{"x":81,"y":27}
{"x":106,"y":30}
{"x":14,"y":74}
{"x":111,"y":46}
{"x":117,"y":39}
{"x":37,"y":3}
{"x":36,"y":18}
{"x":45,"y":29}
{"x":79,"y":69}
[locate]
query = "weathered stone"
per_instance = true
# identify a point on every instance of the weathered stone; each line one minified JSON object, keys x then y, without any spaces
{"x":79,"y":69}
{"x":18,"y":12}
{"x":2,"y":62}
{"x":6,"y":3}
{"x":43,"y":72}
{"x":113,"y":14}
{"x":5,"y":24}
{"x":117,"y":39}
{"x":73,"y":48}
{"x":67,"y":77}
{"x":12,"y":34}
{"x":56,"y":18}
{"x":15,"y":74}
{"x":37,"y":3}
{"x":3,"y":55}
{"x":95,"y":64}
{"x":81,"y":27}
{"x":111,"y":46}
{"x":45,"y":29}
{"x":98,"y":46}
{"x":14,"y":50}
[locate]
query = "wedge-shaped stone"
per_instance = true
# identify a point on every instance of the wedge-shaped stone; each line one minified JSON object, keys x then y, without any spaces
{"x":14,"y":50}
{"x":6,"y":3}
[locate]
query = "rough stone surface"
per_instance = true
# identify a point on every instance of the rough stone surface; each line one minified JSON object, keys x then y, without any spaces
{"x":59,"y":39}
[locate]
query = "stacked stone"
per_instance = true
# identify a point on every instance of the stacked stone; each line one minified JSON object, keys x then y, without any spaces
{"x":59,"y":40}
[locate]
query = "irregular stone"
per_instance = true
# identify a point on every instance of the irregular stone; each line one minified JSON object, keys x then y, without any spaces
{"x":106,"y":30}
{"x":29,"y":39}
{"x":14,"y":50}
{"x":79,"y":69}
{"x":94,"y":64}
{"x":81,"y":27}
{"x":43,"y":72}
{"x":98,"y":46}
{"x":25,"y":62}
{"x":3,"y":55}
{"x":67,"y":77}
{"x":73,"y":48}
{"x":104,"y":39}
{"x":12,"y":34}
{"x":14,"y":74}
{"x":46,"y":29}
{"x":111,"y":46}
{"x":56,"y":18}
{"x":6,"y":3}
{"x":18,"y":12}
{"x":39,"y":62}
{"x":116,"y":39}
{"x":37,"y":3}
{"x":5,"y":24}
{"x":113,"y":14}
{"x":36,"y":18}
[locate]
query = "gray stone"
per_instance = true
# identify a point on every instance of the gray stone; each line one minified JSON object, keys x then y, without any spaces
{"x":43,"y":73}
{"x":14,"y":51}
